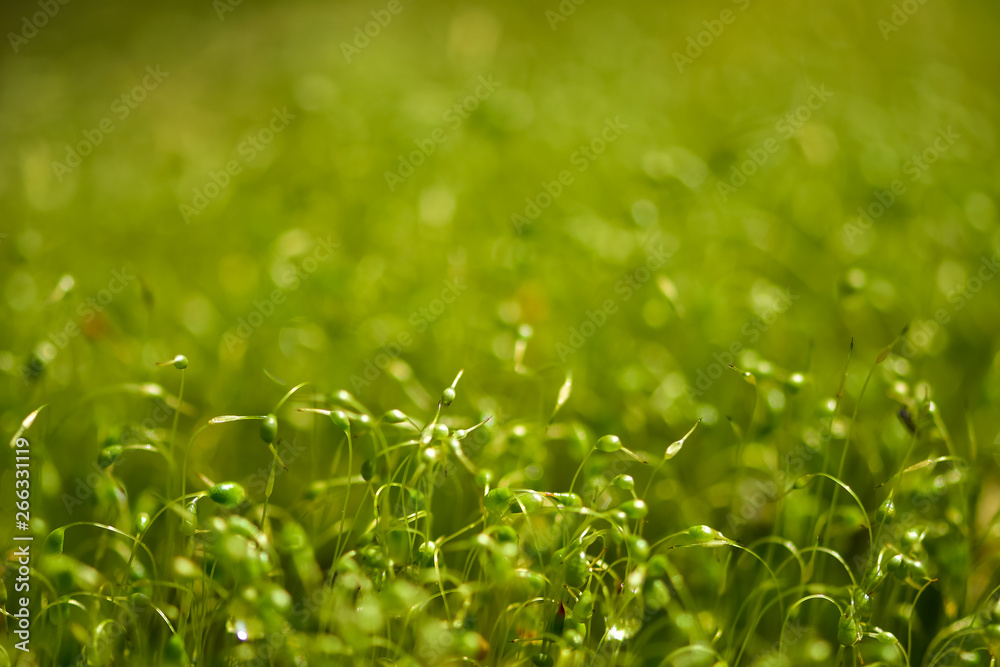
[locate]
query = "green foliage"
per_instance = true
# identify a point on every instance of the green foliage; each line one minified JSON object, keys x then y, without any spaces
{"x":670,"y":222}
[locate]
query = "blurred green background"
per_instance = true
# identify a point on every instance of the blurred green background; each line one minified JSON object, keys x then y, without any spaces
{"x":697,"y":90}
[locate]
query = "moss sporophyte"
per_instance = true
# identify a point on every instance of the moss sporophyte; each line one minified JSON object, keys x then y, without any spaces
{"x":448,"y":536}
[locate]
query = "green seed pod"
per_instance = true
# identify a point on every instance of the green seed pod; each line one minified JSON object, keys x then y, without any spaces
{"x":54,"y":542}
{"x":269,"y":429}
{"x":498,"y":500}
{"x":189,"y":522}
{"x":886,"y":511}
{"x":886,"y":637}
{"x":847,"y":631}
{"x":917,"y":569}
{"x":873,"y":578}
{"x":109,"y":455}
{"x":862,"y":603}
{"x":638,"y":548}
{"x":373,"y":556}
{"x":368,"y":470}
{"x":173,"y":651}
{"x":573,"y":637}
{"x":542,"y":660}
{"x":448,"y":396}
{"x":185,"y":568}
{"x":505,"y":534}
{"x":911,"y":538}
{"x":440,"y":431}
{"x":576,"y":569}
{"x":566,"y":499}
{"x":227,"y":494}
{"x":180,"y":362}
{"x":705,"y":534}
{"x":470,"y":644}
{"x":531,"y":501}
{"x":624,"y":482}
{"x":394,"y":417}
{"x":484,"y":477}
{"x":217,"y":525}
{"x":897,"y":566}
{"x":584,"y":607}
{"x":241,"y":526}
{"x":425,"y":553}
{"x":634,"y":509}
{"x":100,"y":648}
{"x":319,"y":487}
{"x":141,"y":523}
{"x":364,"y":539}
{"x":279,"y":599}
{"x":340,"y":420}
{"x":609,"y":443}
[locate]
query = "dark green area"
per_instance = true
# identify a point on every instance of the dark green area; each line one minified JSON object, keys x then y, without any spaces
{"x":639,"y":195}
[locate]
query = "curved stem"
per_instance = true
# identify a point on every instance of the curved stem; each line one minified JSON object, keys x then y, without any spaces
{"x":579,"y":468}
